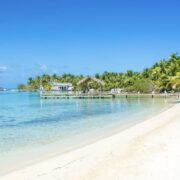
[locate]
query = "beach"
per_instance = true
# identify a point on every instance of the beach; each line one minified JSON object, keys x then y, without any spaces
{"x":148,"y":150}
{"x":89,"y":90}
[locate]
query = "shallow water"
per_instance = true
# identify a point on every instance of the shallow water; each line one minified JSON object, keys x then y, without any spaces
{"x":30,"y":125}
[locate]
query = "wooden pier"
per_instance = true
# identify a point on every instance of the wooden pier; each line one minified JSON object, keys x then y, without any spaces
{"x":55,"y":95}
{"x":100,"y":95}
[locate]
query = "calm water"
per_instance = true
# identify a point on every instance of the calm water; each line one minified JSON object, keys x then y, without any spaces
{"x":29,"y":125}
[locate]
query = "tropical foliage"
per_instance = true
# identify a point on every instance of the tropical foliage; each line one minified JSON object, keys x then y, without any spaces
{"x":163,"y":75}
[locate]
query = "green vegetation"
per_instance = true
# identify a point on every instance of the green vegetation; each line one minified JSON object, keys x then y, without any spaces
{"x":163,"y":75}
{"x":22,"y":87}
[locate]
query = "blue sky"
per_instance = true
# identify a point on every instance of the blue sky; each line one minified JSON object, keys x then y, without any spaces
{"x":84,"y":37}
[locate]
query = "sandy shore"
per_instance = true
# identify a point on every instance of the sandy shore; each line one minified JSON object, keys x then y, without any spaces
{"x":147,"y":151}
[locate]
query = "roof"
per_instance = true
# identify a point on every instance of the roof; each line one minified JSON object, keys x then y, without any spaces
{"x":60,"y":84}
{"x":90,"y":78}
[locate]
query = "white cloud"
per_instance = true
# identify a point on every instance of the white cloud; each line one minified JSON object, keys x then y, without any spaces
{"x":43,"y":67}
{"x":3,"y":68}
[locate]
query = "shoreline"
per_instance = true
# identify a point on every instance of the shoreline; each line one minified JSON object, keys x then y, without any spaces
{"x":53,"y":150}
{"x":69,"y":163}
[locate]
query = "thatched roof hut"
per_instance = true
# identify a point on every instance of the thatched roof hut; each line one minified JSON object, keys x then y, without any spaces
{"x":90,"y":79}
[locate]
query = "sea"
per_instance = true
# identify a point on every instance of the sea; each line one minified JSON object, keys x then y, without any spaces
{"x":33,"y":129}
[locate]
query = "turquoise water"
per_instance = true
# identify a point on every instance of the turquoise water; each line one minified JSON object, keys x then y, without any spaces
{"x":29,"y":125}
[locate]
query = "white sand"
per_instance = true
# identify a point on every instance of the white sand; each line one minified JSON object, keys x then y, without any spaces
{"x":147,"y":151}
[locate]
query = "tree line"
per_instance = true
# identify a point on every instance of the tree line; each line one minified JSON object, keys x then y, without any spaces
{"x":164,"y":75}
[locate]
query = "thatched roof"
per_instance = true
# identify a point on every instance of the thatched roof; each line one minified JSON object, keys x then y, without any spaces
{"x":90,"y":78}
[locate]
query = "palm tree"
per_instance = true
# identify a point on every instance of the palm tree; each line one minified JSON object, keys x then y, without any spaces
{"x":174,"y":82}
{"x":146,"y":73}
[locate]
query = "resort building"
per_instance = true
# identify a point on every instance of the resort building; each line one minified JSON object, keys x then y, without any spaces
{"x":90,"y":79}
{"x":61,"y":86}
{"x":117,"y":91}
{"x":85,"y":83}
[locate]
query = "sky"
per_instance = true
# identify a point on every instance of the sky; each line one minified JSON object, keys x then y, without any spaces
{"x":84,"y":36}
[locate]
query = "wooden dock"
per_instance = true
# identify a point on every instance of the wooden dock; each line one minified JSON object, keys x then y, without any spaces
{"x":50,"y":95}
{"x":100,"y":95}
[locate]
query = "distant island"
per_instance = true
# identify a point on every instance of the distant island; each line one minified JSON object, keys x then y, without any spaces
{"x":4,"y":89}
{"x":162,"y":76}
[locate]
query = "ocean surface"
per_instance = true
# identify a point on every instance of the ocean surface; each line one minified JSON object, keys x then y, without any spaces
{"x":32,"y":129}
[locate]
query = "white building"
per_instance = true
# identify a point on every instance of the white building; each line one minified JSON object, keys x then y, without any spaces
{"x":61,"y":86}
{"x":116,"y":91}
